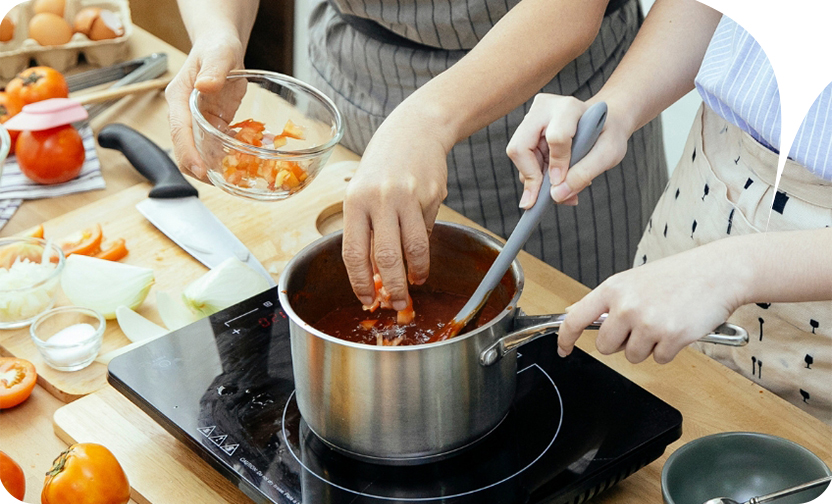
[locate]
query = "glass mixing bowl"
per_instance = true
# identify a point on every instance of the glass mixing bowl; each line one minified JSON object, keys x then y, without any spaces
{"x":264,"y":135}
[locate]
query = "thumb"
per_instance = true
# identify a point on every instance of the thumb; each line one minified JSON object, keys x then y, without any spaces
{"x":601,"y":158}
{"x":213,"y":71}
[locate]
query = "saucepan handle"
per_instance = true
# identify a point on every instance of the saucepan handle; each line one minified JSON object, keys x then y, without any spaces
{"x":533,"y":327}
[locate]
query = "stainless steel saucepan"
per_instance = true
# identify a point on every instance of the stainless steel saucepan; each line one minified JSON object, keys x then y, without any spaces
{"x":411,"y":404}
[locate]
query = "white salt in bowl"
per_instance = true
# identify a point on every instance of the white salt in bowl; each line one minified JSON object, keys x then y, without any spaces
{"x":68,"y":337}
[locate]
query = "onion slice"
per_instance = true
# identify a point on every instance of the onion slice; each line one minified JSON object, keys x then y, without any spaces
{"x":172,"y":312}
{"x":136,"y":327}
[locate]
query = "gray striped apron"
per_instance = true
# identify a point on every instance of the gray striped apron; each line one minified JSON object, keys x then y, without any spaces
{"x":368,"y":55}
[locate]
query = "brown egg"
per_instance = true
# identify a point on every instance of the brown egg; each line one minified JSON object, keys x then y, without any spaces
{"x":49,"y":29}
{"x":54,"y":6}
{"x":84,"y":20}
{"x":106,"y":26}
{"x":6,"y":29}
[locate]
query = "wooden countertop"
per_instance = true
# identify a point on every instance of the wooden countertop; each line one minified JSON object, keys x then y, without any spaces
{"x":711,"y":397}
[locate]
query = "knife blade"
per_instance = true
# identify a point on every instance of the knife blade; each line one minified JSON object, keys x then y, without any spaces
{"x":173,"y":205}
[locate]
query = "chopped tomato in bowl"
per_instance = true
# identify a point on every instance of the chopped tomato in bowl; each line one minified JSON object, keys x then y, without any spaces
{"x":282,"y":133}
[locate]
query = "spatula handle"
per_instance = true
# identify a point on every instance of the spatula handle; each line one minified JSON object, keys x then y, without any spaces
{"x":589,"y":127}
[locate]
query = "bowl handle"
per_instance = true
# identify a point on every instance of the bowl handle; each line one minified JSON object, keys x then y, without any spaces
{"x":533,"y":327}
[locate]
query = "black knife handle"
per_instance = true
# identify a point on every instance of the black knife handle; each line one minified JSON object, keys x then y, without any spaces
{"x":148,"y":159}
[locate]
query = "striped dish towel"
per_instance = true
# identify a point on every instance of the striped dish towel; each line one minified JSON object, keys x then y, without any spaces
{"x":16,"y":187}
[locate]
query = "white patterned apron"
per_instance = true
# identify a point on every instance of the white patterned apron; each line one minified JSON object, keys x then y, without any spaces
{"x":723,"y":186}
{"x":369,"y":55}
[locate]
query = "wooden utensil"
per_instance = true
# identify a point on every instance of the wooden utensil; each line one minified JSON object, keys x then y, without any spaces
{"x":120,"y":92}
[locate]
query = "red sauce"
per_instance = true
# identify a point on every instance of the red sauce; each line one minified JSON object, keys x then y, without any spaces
{"x":434,"y":311}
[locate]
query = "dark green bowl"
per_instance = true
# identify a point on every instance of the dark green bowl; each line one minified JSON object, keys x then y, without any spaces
{"x":739,"y":465}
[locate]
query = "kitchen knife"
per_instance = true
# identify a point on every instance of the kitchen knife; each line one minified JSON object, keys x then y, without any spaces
{"x":173,"y":205}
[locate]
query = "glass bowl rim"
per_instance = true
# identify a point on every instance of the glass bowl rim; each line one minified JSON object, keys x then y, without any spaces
{"x":283,"y":80}
{"x":42,"y":343}
{"x":58,"y":269}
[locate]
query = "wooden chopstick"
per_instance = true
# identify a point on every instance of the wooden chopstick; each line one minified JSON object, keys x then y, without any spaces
{"x":120,"y":92}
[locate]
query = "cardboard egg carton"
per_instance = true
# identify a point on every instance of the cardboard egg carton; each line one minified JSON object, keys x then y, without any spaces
{"x":17,"y":53}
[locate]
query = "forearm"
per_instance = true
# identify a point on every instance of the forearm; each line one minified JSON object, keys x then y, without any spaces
{"x":517,"y":57}
{"x":791,"y":266}
{"x":660,"y":66}
{"x":209,"y":17}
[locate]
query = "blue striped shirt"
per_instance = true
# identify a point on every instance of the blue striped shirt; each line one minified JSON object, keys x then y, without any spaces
{"x":737,"y":81}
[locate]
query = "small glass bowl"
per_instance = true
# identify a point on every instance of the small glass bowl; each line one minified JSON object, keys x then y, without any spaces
{"x":265,"y":173}
{"x":21,"y":302}
{"x":76,"y":353}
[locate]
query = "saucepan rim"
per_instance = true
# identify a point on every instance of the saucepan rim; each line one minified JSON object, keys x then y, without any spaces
{"x":290,"y":312}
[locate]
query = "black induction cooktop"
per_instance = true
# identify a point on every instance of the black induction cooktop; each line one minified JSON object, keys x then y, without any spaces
{"x":223,"y":386}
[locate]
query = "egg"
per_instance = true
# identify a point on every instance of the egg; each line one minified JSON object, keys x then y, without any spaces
{"x":6,"y":29}
{"x":54,"y":6}
{"x":49,"y":29}
{"x":106,"y":26}
{"x":84,"y":20}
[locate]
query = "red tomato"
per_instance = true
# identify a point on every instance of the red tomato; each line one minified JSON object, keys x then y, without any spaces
{"x":34,"y":232}
{"x":38,"y":83}
{"x":10,"y":104}
{"x":17,"y":380}
{"x":12,"y":477}
{"x":50,"y":156}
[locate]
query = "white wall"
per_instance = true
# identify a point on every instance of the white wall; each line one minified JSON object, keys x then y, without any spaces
{"x":300,"y":56}
{"x":676,"y":119}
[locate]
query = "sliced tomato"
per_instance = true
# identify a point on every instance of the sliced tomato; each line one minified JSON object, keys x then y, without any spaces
{"x":35,"y":232}
{"x":17,"y":379}
{"x":113,"y":251}
{"x":85,"y":242}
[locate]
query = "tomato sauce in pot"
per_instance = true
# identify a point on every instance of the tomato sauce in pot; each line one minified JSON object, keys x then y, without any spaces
{"x":433,"y":309}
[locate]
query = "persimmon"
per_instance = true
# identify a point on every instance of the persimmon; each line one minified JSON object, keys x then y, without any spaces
{"x":88,"y":473}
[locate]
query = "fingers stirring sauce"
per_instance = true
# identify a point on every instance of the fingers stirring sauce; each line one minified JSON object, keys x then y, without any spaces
{"x":420,"y":323}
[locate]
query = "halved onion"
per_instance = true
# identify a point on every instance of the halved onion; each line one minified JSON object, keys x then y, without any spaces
{"x":105,"y":285}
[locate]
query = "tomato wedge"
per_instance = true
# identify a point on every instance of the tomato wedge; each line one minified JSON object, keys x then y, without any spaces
{"x":17,"y":379}
{"x":86,"y":242}
{"x":34,"y":232}
{"x":113,"y":251}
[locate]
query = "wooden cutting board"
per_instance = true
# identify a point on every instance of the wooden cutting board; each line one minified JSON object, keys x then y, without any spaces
{"x":273,"y":231}
{"x":160,"y":469}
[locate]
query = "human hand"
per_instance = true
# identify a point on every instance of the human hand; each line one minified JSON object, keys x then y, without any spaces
{"x":543,"y":140}
{"x":660,"y":307}
{"x":391,"y":205}
{"x":205,"y":69}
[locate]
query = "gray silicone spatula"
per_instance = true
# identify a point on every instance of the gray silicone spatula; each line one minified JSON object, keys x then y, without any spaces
{"x":589,"y":127}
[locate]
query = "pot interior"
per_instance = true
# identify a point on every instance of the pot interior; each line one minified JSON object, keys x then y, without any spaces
{"x":316,"y":280}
